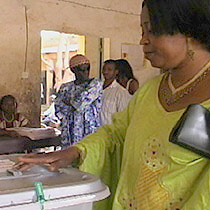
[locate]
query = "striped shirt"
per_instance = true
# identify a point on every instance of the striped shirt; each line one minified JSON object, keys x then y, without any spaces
{"x":115,"y":98}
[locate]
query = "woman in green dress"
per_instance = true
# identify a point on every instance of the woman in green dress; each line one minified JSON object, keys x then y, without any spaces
{"x":133,"y":155}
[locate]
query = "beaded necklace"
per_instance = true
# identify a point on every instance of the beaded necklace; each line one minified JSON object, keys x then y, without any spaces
{"x":4,"y":117}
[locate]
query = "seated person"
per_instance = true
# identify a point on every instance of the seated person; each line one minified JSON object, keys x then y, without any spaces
{"x":9,"y":117}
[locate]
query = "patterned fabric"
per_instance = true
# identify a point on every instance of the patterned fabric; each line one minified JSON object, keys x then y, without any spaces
{"x":78,"y":60}
{"x":142,"y":168}
{"x":18,"y":121}
{"x":115,"y":98}
{"x":78,"y":108}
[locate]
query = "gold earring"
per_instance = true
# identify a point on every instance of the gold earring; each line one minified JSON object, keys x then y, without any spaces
{"x":190,"y":51}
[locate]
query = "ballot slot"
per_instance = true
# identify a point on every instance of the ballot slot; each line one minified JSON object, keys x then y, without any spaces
{"x":12,"y":179}
{"x":14,"y":172}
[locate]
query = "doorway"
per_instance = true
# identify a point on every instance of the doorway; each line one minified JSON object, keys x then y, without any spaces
{"x":56,"y":50}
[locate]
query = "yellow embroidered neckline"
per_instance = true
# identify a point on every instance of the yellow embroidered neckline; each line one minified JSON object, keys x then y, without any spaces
{"x":188,"y":83}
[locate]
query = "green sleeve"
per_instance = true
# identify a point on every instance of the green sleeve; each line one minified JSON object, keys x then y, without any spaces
{"x":110,"y":138}
{"x":97,"y":147}
{"x":102,"y":151}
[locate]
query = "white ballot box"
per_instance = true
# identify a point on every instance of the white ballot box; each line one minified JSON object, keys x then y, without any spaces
{"x":68,"y":189}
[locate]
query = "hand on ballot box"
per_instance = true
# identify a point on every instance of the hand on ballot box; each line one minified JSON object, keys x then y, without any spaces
{"x":54,"y":160}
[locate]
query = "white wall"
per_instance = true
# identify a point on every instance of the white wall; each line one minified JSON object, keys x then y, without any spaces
{"x":115,"y":19}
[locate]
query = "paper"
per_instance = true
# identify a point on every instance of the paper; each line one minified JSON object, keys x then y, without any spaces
{"x":5,"y":165}
{"x":35,"y":133}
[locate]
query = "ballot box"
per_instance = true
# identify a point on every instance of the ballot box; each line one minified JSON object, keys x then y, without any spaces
{"x":39,"y":189}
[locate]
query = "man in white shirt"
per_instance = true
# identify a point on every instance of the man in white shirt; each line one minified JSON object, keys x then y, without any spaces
{"x":115,"y":97}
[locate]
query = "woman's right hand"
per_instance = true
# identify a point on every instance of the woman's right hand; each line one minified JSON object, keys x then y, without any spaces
{"x":54,"y":160}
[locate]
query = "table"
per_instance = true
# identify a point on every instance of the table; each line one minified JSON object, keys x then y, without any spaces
{"x":14,"y":145}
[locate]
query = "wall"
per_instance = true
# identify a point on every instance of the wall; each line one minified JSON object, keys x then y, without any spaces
{"x":20,"y":68}
{"x":92,"y":45}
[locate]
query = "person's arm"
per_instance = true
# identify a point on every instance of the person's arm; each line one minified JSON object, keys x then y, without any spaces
{"x":55,"y":160}
{"x":23,"y":122}
{"x":103,"y":148}
{"x":88,"y":96}
{"x":96,"y":151}
{"x":5,"y":132}
{"x":89,"y":149}
{"x":123,"y":98}
{"x":61,"y":107}
{"x":133,"y":86}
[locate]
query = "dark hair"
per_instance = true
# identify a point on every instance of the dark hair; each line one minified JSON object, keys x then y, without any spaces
{"x":6,"y":97}
{"x":124,"y":68}
{"x":110,"y":61}
{"x":188,"y":17}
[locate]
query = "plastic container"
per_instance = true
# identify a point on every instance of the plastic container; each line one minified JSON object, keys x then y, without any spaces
{"x":69,"y":189}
